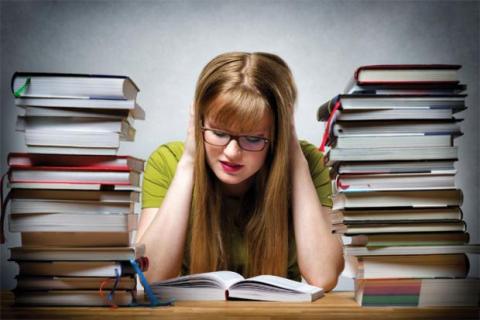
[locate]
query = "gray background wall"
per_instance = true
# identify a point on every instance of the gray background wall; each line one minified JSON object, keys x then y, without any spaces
{"x":162,"y":46}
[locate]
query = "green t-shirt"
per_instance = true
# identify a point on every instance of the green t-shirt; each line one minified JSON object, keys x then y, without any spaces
{"x":159,"y":173}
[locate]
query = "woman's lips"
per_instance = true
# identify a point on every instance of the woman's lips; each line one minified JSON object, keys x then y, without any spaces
{"x":230,"y":167}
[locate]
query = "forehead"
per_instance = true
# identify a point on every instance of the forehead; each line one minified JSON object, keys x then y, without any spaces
{"x":238,"y":111}
{"x":263,"y":125}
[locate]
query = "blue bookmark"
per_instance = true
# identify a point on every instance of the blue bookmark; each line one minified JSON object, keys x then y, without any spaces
{"x":154,"y":302}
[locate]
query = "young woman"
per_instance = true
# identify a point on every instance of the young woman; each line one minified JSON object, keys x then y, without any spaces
{"x":242,"y":193}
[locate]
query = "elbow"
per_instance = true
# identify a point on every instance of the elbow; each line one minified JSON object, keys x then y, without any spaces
{"x":327,"y":279}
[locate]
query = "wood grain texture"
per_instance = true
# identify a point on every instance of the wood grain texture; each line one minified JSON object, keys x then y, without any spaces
{"x":336,"y":305}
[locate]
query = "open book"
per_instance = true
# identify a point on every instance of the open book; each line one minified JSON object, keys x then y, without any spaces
{"x":223,"y":285}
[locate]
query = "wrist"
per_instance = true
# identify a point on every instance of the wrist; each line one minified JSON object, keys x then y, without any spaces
{"x":186,"y":162}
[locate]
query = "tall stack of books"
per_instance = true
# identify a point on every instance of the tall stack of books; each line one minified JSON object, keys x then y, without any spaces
{"x":391,"y":149}
{"x":72,"y":198}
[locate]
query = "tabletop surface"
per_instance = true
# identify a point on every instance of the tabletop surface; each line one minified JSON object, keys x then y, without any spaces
{"x":337,"y":305}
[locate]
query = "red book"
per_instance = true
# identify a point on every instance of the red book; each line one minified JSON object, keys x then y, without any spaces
{"x":36,"y":161}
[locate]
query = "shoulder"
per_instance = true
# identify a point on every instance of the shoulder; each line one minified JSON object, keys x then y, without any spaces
{"x":169,"y":153}
{"x":311,"y":152}
{"x":174,"y":148}
{"x":163,"y":161}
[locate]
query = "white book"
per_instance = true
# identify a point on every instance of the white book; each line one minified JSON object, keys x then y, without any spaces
{"x":38,"y":253}
{"x":395,"y":127}
{"x":438,"y":166}
{"x":60,"y":142}
{"x":72,"y":150}
{"x":395,"y":181}
{"x":74,"y":86}
{"x":63,"y":113}
{"x":75,"y":124}
{"x":28,"y":206}
{"x":135,"y":109}
{"x":406,"y":266}
{"x":74,"y":176}
{"x":70,"y":186}
{"x":222,"y":285}
{"x":389,"y":199}
{"x":410,"y":250}
{"x":391,"y":154}
{"x":72,"y":222}
{"x":399,"y":227}
{"x":397,"y":114}
{"x":393,"y":215}
{"x":74,"y":193}
{"x":379,"y":102}
{"x":403,"y":141}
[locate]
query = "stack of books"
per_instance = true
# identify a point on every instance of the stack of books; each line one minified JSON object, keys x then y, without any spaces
{"x":391,"y":149}
{"x":74,"y":201}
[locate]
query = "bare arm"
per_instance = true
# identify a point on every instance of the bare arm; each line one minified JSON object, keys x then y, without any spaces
{"x":163,"y":230}
{"x":319,"y":252}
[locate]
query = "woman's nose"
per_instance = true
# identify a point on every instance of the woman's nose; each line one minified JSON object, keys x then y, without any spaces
{"x":232,"y":149}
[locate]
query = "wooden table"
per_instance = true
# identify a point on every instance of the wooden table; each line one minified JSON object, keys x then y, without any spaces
{"x":336,"y":305}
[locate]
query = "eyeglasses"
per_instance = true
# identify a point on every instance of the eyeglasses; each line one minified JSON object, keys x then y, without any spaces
{"x":220,"y":138}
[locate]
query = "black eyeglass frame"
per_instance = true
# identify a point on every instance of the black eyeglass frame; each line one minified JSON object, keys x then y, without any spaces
{"x":234,"y":137}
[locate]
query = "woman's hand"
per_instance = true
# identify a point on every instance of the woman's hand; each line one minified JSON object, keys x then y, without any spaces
{"x":296,"y":153}
{"x":190,"y":143}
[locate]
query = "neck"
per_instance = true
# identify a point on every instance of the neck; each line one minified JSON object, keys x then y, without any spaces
{"x":237,"y":190}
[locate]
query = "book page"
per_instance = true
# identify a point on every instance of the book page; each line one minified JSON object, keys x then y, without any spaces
{"x":281,"y":283}
{"x":217,"y":279}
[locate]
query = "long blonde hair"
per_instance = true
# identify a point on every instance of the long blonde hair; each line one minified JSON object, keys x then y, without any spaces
{"x":236,"y":89}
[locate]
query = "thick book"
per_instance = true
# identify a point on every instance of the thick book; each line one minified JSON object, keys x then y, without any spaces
{"x":418,"y":292}
{"x":73,"y":86}
{"x":37,"y":253}
{"x":78,"y":239}
{"x":63,"y":112}
{"x":336,"y":155}
{"x":391,"y":107}
{"x":368,"y":167}
{"x":222,"y":285}
{"x":404,"y":199}
{"x":73,"y":124}
{"x":44,"y":283}
{"x":396,"y":127}
{"x":408,"y":239}
{"x":68,"y":298}
{"x":407,"y":74}
{"x":58,"y":175}
{"x":415,"y":89}
{"x":45,"y":146}
{"x":399,"y":141}
{"x":399,"y":227}
{"x":69,"y":186}
{"x":102,"y":195}
{"x":411,"y":250}
{"x":101,"y":143}
{"x":72,"y":222}
{"x":119,"y":106}
{"x":418,"y":113}
{"x":38,"y":205}
{"x":407,"y":266}
{"x":75,"y":268}
{"x":394,"y":181}
{"x":393,"y":214}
